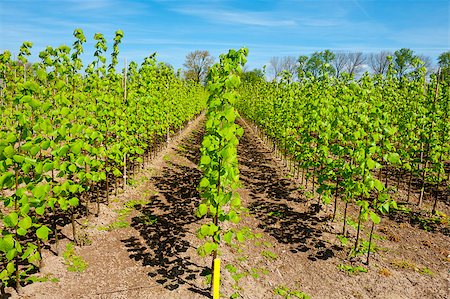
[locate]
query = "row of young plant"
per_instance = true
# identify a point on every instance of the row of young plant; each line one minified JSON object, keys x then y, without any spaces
{"x":356,"y":139}
{"x":68,"y":137}
{"x":219,"y":164}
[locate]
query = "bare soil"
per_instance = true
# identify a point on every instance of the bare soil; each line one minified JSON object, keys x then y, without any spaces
{"x":290,"y":246}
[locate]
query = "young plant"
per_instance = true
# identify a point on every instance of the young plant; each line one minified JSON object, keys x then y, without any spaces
{"x":219,"y":155}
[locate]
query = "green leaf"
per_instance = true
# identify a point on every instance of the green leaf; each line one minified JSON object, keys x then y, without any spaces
{"x":11,"y":254}
{"x":393,"y":158}
{"x":378,"y":185}
{"x":228,"y":237}
{"x":8,"y":151}
{"x":240,"y":237}
{"x":11,"y":219}
{"x":76,"y":147}
{"x":117,"y":172}
{"x":42,"y":232}
{"x":370,"y":163}
{"x":74,"y":202}
{"x":18,"y":158}
{"x":202,"y":210}
{"x":21,"y":231}
{"x":236,"y":201}
{"x":72,"y":168}
{"x":7,"y":179}
{"x":63,"y":150}
{"x":375,"y":218}
{"x":39,"y":191}
{"x":25,"y":222}
{"x":10,"y":267}
{"x":204,"y":183}
{"x":230,"y":115}
{"x":34,"y":150}
{"x":206,"y":142}
{"x":6,"y":243}
{"x":205,"y":160}
{"x":204,"y":230}
{"x":40,"y":210}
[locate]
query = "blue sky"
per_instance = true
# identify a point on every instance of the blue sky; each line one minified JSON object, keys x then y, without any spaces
{"x":268,"y":28}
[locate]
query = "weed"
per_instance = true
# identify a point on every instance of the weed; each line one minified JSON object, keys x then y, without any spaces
{"x":83,"y":238}
{"x":378,"y":237}
{"x":268,"y":244}
{"x":405,"y":264}
{"x":73,"y":262}
{"x":309,"y":195}
{"x":277,"y":214}
{"x":234,"y":272}
{"x":285,"y":292}
{"x":242,"y":258}
{"x":269,"y":255}
{"x":131,"y":204}
{"x":426,"y":271}
{"x":115,"y":225}
{"x":352,"y":269}
{"x":235,"y":295}
{"x":150,"y":219}
{"x":257,"y":272}
{"x":384,"y":272}
{"x":45,"y":278}
{"x":352,"y":223}
{"x":343,"y":239}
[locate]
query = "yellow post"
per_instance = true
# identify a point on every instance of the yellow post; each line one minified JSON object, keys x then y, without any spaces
{"x":216,"y":277}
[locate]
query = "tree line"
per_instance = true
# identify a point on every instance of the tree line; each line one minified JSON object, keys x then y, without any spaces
{"x":327,"y":63}
{"x":335,"y":63}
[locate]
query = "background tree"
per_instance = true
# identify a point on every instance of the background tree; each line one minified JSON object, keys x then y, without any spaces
{"x":355,"y":62}
{"x":320,"y":63}
{"x":378,"y":62}
{"x":444,"y":64}
{"x":301,"y":66}
{"x":290,"y":64}
{"x":197,"y":65}
{"x":280,"y":65}
{"x":253,"y":76}
{"x":427,"y":62}
{"x":403,"y":61}
{"x":276,"y":66}
{"x":339,"y":62}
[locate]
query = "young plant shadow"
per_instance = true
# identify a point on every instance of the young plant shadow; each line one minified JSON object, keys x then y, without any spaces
{"x":163,"y":224}
{"x":272,"y":200}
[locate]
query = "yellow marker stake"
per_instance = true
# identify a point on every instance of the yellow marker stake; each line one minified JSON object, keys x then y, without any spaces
{"x":216,"y":282}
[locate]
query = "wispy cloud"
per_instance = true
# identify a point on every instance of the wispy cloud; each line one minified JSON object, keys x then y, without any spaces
{"x":88,"y":5}
{"x":236,"y":17}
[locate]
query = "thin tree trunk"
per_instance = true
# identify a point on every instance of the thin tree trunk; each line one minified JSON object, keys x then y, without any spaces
{"x":370,"y":242}
{"x":358,"y":230}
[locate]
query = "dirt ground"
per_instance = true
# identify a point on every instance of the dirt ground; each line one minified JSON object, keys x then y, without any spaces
{"x":143,"y":245}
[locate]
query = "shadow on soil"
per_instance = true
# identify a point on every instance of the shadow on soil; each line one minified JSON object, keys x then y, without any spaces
{"x":272,"y":198}
{"x":163,"y":225}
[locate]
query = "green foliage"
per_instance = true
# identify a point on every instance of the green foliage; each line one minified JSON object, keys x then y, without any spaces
{"x":65,"y":131}
{"x":342,"y":133}
{"x":218,"y":160}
